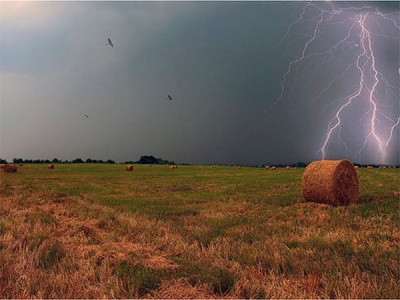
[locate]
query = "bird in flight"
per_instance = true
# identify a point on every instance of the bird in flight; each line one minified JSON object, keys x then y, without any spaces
{"x":110,"y":43}
{"x":169,"y":98}
{"x":86,"y":116}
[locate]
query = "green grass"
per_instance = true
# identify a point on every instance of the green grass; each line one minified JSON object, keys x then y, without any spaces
{"x":245,"y":233}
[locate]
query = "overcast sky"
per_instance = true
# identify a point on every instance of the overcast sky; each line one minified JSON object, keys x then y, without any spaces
{"x":223,"y":63}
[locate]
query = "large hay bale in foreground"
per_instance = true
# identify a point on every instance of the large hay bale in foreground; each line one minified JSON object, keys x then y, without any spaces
{"x":331,"y":182}
{"x":8,"y":168}
{"x":129,"y":168}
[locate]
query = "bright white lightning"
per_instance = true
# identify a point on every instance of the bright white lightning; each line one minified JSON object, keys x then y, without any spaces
{"x":365,"y":84}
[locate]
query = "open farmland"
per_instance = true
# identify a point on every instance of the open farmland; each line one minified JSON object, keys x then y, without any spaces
{"x":91,"y":231}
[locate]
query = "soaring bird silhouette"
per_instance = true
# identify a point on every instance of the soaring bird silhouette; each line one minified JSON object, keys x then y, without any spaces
{"x":169,"y":98}
{"x":86,"y":116}
{"x":110,"y":43}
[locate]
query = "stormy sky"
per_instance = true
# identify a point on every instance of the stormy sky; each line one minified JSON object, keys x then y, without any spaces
{"x":223,"y":63}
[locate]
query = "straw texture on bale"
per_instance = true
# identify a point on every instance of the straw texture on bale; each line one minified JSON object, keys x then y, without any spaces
{"x":129,"y":168}
{"x":10,"y":168}
{"x":332,"y":182}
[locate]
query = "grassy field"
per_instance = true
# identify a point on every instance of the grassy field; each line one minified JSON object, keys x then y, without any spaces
{"x":93,"y":231}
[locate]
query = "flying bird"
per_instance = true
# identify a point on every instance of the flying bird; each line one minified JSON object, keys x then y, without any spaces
{"x":86,"y":116}
{"x":110,"y":43}
{"x":169,"y":98}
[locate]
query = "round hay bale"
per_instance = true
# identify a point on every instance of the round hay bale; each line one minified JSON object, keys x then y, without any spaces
{"x":370,"y":167}
{"x":51,"y":167}
{"x":287,"y":167}
{"x":332,"y":182}
{"x":8,"y":168}
{"x":129,"y":168}
{"x":174,"y":167}
{"x":273,"y":168}
{"x":355,"y":167}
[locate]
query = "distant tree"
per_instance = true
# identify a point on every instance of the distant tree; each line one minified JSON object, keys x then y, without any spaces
{"x":164,"y":162}
{"x":77,"y":161}
{"x":3,"y":161}
{"x":109,"y":161}
{"x":18,"y":160}
{"x":89,"y":161}
{"x":55,"y":161}
{"x":301,"y":164}
{"x":145,"y":159}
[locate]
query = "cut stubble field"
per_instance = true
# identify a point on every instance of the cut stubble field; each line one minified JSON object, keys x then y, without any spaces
{"x":95,"y":230}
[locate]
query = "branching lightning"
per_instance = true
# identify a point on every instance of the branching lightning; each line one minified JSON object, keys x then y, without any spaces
{"x":366,"y":88}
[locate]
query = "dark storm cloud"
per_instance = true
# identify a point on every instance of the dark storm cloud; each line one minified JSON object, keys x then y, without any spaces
{"x":222,"y":63}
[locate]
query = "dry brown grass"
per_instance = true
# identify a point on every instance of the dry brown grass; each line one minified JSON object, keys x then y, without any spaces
{"x":67,"y":245}
{"x":65,"y":249}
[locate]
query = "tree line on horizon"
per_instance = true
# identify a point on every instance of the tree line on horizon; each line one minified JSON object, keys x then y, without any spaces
{"x":151,"y":160}
{"x":145,"y":159}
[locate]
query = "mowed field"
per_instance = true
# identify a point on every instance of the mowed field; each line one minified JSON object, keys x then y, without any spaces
{"x":95,"y":230}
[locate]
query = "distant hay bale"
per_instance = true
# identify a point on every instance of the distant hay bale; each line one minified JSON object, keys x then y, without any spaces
{"x":51,"y":166}
{"x":129,"y":168}
{"x":370,"y":167}
{"x":174,"y":167}
{"x":355,"y":167}
{"x":332,"y":182}
{"x":267,"y":167}
{"x":9,"y":168}
{"x":287,"y":167}
{"x":273,"y":168}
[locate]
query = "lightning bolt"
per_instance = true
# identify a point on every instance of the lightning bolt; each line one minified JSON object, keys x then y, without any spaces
{"x":366,"y":87}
